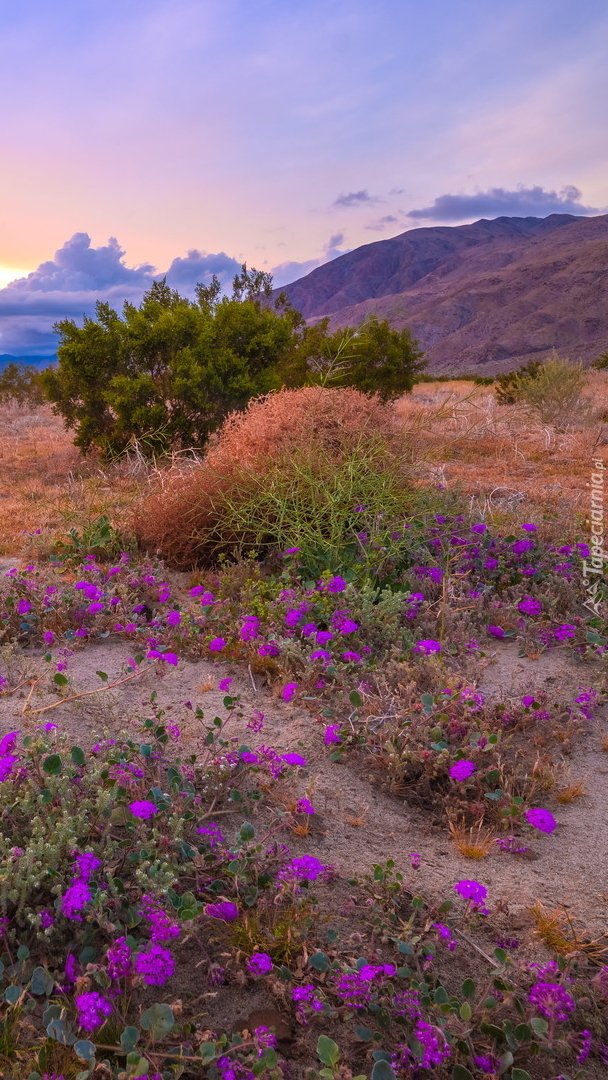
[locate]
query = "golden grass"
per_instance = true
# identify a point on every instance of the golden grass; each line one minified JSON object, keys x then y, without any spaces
{"x":473,"y":843}
{"x":511,"y":467}
{"x":565,"y":935}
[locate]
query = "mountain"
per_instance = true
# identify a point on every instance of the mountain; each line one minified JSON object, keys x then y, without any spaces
{"x":485,"y":297}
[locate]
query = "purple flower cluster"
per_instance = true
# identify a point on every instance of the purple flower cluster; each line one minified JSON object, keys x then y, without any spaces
{"x":551,"y":1000}
{"x":93,"y":1010}
{"x":155,"y":964}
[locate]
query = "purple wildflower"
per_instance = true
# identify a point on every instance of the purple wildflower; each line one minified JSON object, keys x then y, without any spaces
{"x":528,"y":701}
{"x":335,"y":584}
{"x":496,"y":631}
{"x":143,"y":808}
{"x":529,"y":528}
{"x":155,"y":964}
{"x":461,"y":770}
{"x":542,"y":820}
{"x":551,"y":1000}
{"x":260,"y":964}
{"x":435,"y":1048}
{"x":118,"y":959}
{"x":293,"y":759}
{"x":6,"y":765}
{"x":323,"y":636}
{"x":224,"y":685}
{"x":212,"y":833}
{"x":268,"y":648}
{"x":331,"y":734}
{"x":217,"y":644}
{"x":93,"y":1009}
{"x":74,"y":899}
{"x":428,"y":646}
{"x":303,"y":868}
{"x":224,"y":910}
{"x":471,"y":890}
{"x":351,"y":657}
{"x":564,"y":632}
{"x":303,"y":806}
{"x":529,"y":606}
{"x":289,"y":691}
{"x":87,"y":865}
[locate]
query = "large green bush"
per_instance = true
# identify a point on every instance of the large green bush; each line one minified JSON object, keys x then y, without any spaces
{"x":168,"y":372}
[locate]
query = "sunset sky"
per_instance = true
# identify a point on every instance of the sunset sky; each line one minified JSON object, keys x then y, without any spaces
{"x":146,"y":136}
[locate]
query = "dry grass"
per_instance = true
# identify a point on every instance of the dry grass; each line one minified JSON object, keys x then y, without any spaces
{"x":565,"y":935}
{"x":509,"y":465}
{"x":473,"y":843}
{"x":504,"y":459}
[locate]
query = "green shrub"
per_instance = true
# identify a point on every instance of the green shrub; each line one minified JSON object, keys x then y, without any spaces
{"x":553,"y":389}
{"x":509,"y":386}
{"x":21,"y":383}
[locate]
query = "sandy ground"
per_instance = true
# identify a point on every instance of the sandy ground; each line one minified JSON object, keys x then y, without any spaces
{"x":358,"y":824}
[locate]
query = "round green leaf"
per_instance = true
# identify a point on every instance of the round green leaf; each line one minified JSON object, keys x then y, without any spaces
{"x":158,"y":1020}
{"x":52,"y":765}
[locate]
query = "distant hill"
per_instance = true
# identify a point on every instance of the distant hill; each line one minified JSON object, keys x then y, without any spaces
{"x":485,"y":297}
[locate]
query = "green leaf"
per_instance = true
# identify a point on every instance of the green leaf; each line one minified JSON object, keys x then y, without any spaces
{"x":465,"y":1011}
{"x":319,"y":962}
{"x":138,"y":1066}
{"x":523,"y":1033}
{"x":468,"y":988}
{"x":500,"y":955}
{"x":23,"y":952}
{"x":158,"y":1020}
{"x":246,"y":831}
{"x":269,"y":1058}
{"x":52,"y":765}
{"x":383,"y":1070}
{"x":538,"y":1025}
{"x":60,"y":679}
{"x":355,"y":699}
{"x":459,"y":1072}
{"x":505,"y":1062}
{"x":77,"y":755}
{"x":102,"y":675}
{"x":85,"y":1050}
{"x":207,"y":1051}
{"x":42,"y":983}
{"x":328,"y":1051}
{"x":12,"y":994}
{"x":129,"y":1038}
{"x":520,"y":1074}
{"x":441,"y":995}
{"x":364,"y":1034}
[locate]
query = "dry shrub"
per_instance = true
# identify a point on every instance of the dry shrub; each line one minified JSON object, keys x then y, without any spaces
{"x":248,"y":455}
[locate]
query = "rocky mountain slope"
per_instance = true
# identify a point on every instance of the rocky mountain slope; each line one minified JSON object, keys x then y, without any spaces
{"x":482,"y":298}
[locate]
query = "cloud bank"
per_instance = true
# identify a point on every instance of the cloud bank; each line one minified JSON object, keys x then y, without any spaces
{"x":69,"y":285}
{"x":496,"y":202}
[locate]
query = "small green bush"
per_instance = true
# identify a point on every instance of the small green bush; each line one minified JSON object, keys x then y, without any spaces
{"x":553,"y":389}
{"x":21,"y":383}
{"x":509,"y":386}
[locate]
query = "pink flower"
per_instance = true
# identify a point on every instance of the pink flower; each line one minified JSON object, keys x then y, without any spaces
{"x":289,"y":691}
{"x":224,"y":685}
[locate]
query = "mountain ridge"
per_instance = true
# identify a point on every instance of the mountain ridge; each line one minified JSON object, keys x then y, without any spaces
{"x":490,"y":295}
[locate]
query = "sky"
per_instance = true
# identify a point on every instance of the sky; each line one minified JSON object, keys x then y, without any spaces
{"x":140,"y":138}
